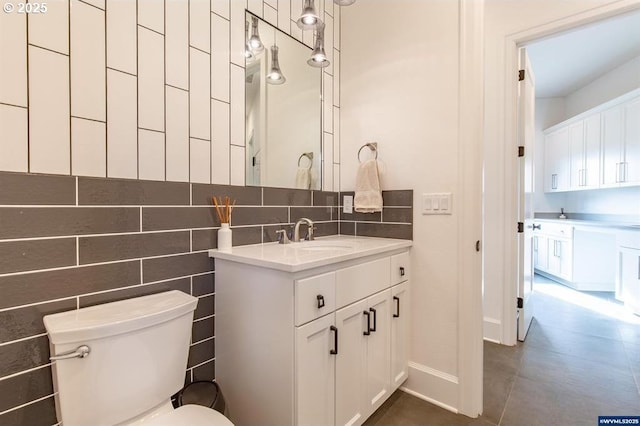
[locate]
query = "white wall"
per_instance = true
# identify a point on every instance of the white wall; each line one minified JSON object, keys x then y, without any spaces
{"x":614,"y":83}
{"x":525,"y":19}
{"x":618,"y":201}
{"x":142,"y":90}
{"x":399,"y":85}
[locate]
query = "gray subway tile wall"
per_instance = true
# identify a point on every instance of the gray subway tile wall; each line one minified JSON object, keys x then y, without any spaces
{"x":98,"y":250}
{"x":395,"y":220}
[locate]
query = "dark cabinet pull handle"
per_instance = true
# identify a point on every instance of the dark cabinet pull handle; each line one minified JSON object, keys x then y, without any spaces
{"x":397,"y":314}
{"x":334,"y":351}
{"x":368,"y":332}
{"x":402,"y":271}
{"x":320,"y":301}
{"x":639,"y":267}
{"x":374,"y":319}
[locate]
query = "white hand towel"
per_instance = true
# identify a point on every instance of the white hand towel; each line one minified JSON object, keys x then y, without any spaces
{"x":368,"y":197}
{"x":303,"y":178}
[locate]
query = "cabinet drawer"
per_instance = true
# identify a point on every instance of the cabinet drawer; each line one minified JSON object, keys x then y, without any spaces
{"x":315,"y":297}
{"x":359,"y":281}
{"x":558,"y":230}
{"x":400,"y":268}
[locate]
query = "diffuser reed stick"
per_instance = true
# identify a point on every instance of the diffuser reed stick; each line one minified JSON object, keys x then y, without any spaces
{"x":224,"y":207}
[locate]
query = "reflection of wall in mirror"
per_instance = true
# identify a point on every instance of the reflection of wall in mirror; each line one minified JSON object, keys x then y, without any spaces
{"x":255,"y":120}
{"x":293,"y":117}
{"x":282,"y":121}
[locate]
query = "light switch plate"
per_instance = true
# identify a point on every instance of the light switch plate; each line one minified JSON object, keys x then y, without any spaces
{"x":347,"y":204}
{"x":436,"y":203}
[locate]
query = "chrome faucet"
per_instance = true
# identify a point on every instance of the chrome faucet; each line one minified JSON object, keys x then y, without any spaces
{"x":283,"y":237}
{"x":310,"y":227}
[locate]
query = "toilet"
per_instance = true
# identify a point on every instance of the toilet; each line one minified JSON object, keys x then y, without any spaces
{"x":120,"y":362}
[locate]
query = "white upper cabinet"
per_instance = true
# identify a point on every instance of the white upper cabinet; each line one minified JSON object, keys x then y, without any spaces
{"x":576,"y":155}
{"x":584,"y":153}
{"x":599,"y":148}
{"x":556,"y":149}
{"x":632,"y":142}
{"x":611,"y":146}
{"x":592,"y":132}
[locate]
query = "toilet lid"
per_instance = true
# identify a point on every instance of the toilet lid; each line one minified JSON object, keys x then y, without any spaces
{"x":191,"y":415}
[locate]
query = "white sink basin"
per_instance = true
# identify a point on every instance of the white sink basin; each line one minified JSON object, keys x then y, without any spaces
{"x":307,"y":255}
{"x":322,"y":246}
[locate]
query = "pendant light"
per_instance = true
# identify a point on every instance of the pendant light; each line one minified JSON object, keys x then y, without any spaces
{"x":248,"y":54}
{"x":275,"y":75}
{"x":318,"y":56}
{"x":344,"y":2}
{"x":309,"y":20}
{"x":254,"y":41}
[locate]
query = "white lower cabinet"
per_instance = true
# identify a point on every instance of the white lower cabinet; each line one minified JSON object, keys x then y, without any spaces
{"x":630,"y":278}
{"x":399,"y":334}
{"x":315,"y":372}
{"x":628,"y":270}
{"x":351,"y":364}
{"x":320,"y":347}
{"x":378,"y":343}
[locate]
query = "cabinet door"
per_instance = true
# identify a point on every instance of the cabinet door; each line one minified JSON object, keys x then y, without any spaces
{"x":315,"y":372}
{"x":378,"y":384}
{"x":553,"y":266}
{"x":629,"y":278}
{"x":611,"y":146}
{"x":540,"y":250}
{"x":556,"y":162}
{"x":576,"y":155}
{"x":565,"y":254}
{"x":631,"y":162}
{"x":351,"y":364}
{"x":399,"y":334}
{"x":592,"y":138}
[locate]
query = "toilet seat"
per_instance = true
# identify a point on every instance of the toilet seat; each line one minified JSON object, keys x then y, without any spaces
{"x":191,"y":415}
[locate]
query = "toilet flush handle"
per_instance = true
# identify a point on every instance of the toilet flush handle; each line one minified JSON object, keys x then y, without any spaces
{"x":80,"y":352}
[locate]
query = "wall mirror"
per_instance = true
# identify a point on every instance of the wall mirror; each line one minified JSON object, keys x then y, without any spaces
{"x":282,"y":111}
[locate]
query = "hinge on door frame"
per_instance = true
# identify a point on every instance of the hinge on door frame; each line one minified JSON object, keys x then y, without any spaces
{"x":521,"y":151}
{"x":520,"y":75}
{"x":520,"y":227}
{"x":520,"y":302}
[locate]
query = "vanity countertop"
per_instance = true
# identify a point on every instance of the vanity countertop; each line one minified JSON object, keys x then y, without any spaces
{"x":305,"y":255}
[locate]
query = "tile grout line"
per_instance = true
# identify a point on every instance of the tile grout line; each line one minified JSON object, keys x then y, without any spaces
{"x":28,"y":403}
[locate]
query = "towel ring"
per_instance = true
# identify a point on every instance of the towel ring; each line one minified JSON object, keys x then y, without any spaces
{"x":309,"y":155}
{"x":373,"y":146}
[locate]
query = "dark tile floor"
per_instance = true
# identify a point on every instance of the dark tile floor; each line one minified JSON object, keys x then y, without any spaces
{"x":581,"y":359}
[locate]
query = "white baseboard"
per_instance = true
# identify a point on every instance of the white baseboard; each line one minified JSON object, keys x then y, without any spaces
{"x":580,"y":285}
{"x":433,"y":386}
{"x":492,"y":330}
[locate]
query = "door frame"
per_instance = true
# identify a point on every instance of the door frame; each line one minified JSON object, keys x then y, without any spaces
{"x":511,"y":44}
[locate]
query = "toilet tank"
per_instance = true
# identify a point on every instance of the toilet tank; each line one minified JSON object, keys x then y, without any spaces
{"x":139,"y":349}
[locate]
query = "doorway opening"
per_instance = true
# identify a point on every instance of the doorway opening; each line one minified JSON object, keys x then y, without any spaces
{"x":563,"y":257}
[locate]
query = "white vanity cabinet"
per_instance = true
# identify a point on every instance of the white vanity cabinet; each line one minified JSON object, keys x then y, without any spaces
{"x":317,"y":346}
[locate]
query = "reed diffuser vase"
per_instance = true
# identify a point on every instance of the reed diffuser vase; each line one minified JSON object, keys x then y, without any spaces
{"x":224,"y":207}
{"x":224,"y":237}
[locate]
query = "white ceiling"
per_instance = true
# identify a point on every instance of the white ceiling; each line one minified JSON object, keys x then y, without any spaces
{"x":571,"y":60}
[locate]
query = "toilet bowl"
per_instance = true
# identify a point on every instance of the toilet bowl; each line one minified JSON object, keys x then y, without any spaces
{"x":118,"y":364}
